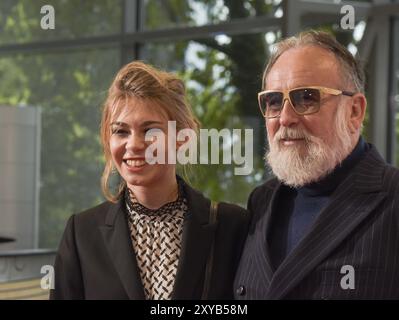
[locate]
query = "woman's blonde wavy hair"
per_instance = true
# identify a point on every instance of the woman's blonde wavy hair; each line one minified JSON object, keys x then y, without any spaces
{"x":142,"y":81}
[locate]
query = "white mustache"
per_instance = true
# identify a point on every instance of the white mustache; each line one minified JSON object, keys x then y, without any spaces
{"x":288,"y":133}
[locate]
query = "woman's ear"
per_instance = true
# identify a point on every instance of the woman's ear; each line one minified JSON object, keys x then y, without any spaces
{"x":357,"y":112}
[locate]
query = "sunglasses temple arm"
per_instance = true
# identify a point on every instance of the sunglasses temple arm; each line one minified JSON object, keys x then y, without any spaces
{"x":348,"y":93}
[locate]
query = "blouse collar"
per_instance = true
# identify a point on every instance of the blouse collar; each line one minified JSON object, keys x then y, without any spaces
{"x":133,"y":204}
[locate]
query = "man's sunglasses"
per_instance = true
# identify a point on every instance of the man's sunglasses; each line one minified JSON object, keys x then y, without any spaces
{"x":304,"y":100}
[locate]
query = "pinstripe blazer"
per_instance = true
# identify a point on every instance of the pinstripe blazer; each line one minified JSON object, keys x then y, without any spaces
{"x":358,"y":228}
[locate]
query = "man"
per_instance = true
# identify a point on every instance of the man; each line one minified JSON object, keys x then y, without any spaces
{"x":327,"y":226}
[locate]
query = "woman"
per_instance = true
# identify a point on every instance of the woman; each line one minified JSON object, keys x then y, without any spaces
{"x":156,"y":237}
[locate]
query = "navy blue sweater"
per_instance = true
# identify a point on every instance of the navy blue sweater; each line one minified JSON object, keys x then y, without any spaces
{"x":296,"y":209}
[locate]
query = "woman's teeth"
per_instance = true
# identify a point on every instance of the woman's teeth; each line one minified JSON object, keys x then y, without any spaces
{"x":135,"y":163}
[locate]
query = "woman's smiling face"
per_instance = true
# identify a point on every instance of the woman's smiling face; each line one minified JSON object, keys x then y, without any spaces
{"x":127,"y":142}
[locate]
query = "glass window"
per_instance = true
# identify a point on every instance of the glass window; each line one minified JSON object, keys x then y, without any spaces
{"x":397,"y":120}
{"x":69,"y":88}
{"x":222,"y":73}
{"x":223,"y":76}
{"x":395,"y":86}
{"x":20,"y":19}
{"x":174,"y":13}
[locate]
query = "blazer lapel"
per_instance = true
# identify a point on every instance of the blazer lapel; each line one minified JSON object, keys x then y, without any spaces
{"x":351,"y":203}
{"x":262,"y":245}
{"x":117,"y":240}
{"x":196,"y":242}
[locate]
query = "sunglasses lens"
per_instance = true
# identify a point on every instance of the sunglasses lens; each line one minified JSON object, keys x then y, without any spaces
{"x":305,"y":101}
{"x":270,"y":103}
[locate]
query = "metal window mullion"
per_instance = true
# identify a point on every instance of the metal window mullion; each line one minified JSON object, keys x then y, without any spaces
{"x":394,"y":92}
{"x":131,"y":19}
{"x":318,"y":7}
{"x":379,"y":84}
{"x":239,"y":26}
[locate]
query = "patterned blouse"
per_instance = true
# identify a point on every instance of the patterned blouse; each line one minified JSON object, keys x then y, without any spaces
{"x":156,"y":237}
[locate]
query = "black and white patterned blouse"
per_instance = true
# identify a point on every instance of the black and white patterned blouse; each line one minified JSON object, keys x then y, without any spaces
{"x":156,"y":237}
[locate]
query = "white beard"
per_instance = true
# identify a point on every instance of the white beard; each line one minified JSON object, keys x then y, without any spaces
{"x":296,"y":168}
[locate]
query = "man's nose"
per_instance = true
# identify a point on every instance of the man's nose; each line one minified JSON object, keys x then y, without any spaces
{"x":288,"y":117}
{"x":135,"y":143}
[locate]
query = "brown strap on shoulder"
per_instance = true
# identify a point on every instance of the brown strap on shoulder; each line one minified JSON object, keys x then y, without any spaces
{"x":209,"y":264}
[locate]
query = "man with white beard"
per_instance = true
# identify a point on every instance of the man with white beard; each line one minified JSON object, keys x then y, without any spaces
{"x":327,"y":226}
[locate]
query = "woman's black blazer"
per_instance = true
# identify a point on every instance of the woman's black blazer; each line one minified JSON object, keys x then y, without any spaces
{"x":96,"y":259}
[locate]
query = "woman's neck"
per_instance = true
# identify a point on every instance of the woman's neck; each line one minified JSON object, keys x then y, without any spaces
{"x":156,"y":195}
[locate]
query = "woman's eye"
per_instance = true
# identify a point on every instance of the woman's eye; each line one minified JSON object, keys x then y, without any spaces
{"x":153,"y":129}
{"x":119,"y":131}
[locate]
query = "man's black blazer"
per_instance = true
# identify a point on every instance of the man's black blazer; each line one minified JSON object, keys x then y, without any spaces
{"x":96,"y":259}
{"x":359,"y":228}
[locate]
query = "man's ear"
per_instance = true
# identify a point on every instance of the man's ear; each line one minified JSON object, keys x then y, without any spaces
{"x":357,"y":112}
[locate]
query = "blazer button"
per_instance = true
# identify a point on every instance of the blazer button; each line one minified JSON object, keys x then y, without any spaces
{"x":240,"y":291}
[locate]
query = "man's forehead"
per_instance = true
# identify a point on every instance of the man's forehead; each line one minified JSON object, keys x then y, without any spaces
{"x":304,"y":66}
{"x":301,"y":79}
{"x":286,"y":75}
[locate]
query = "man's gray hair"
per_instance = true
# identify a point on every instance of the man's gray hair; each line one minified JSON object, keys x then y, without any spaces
{"x":351,"y":68}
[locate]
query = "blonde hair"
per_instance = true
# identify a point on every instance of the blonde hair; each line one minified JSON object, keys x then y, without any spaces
{"x":351,"y":67}
{"x":142,"y":81}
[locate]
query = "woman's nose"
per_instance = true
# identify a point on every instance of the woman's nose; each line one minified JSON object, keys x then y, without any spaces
{"x":135,"y":143}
